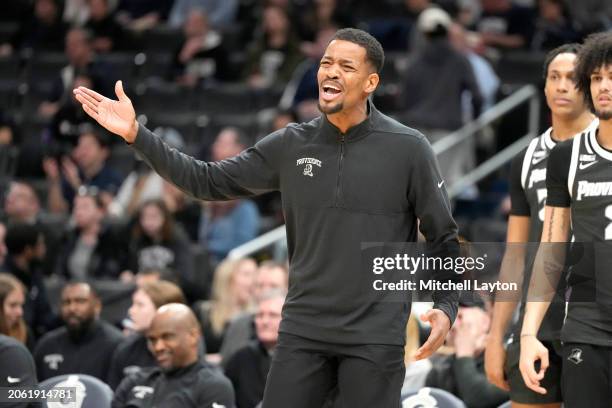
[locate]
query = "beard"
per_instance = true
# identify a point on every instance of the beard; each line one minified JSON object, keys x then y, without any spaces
{"x":331,"y":109}
{"x":77,"y":331}
{"x":603,"y":114}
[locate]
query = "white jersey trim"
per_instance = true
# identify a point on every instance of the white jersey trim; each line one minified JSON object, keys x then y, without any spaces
{"x":573,"y":164}
{"x":527,"y":160}
{"x":596,"y":146}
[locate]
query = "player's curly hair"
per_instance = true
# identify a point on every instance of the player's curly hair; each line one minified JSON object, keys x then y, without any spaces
{"x":596,"y":52}
{"x":374,"y":51}
{"x":571,"y":48}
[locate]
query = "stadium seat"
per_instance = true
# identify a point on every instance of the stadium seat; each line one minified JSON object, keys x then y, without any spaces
{"x":226,"y":99}
{"x":90,"y":391}
{"x":45,"y":67}
{"x":431,"y":398}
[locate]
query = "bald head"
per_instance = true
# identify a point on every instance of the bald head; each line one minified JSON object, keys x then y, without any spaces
{"x":177,"y":315}
{"x":173,"y":336}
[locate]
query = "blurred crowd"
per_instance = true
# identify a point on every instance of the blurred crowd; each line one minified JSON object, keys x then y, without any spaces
{"x":85,"y":222}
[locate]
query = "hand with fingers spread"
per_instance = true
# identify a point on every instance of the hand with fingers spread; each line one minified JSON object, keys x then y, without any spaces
{"x":533,"y":350}
{"x":440,"y":325}
{"x":117,"y":116}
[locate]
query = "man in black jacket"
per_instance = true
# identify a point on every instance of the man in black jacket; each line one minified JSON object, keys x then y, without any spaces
{"x":350,"y":176}
{"x":181,"y":380}
{"x":85,"y":344}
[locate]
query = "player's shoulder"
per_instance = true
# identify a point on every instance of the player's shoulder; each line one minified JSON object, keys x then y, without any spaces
{"x":212,"y":376}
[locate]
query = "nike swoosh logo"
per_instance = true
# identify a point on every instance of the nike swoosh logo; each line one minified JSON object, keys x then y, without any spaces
{"x":13,"y":380}
{"x":583,"y":166}
{"x":215,"y":405}
{"x":440,"y":183}
{"x":536,"y":160}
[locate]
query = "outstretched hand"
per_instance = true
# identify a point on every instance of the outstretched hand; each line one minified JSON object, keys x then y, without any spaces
{"x":117,"y":116}
{"x":440,"y":325}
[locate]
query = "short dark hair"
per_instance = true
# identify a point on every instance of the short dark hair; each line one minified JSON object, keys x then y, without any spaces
{"x":596,"y":52}
{"x":571,"y":48}
{"x":375,"y":54}
{"x":20,"y":236}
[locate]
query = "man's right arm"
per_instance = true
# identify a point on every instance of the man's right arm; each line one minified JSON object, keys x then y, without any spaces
{"x":254,"y":171}
{"x":548,"y":265}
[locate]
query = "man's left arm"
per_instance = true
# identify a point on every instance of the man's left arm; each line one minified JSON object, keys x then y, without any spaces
{"x":427,"y":194}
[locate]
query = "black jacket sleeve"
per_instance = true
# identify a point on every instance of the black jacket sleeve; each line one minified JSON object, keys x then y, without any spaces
{"x":429,"y":199}
{"x":557,"y":173}
{"x":254,"y":171}
{"x":518,"y":200}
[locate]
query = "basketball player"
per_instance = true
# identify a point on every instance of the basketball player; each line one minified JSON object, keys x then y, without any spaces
{"x":579,"y":181}
{"x":570,"y":116}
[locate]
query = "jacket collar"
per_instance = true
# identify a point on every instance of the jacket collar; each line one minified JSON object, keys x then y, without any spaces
{"x":357,"y":132}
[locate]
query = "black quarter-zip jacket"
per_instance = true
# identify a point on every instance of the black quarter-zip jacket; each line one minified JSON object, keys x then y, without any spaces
{"x":338,"y":191}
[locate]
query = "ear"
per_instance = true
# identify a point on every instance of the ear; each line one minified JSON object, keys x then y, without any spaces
{"x":371,"y":83}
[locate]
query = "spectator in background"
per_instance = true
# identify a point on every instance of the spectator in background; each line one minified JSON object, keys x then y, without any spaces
{"x":12,"y":300}
{"x":322,"y":15}
{"x":225,"y":225}
{"x":275,"y":53}
{"x":68,"y":122}
{"x":87,"y":166}
{"x":132,"y":355}
{"x":26,"y":248}
{"x":591,"y":15}
{"x":248,"y":368}
{"x":139,"y":15}
{"x":182,"y":380}
{"x":91,"y":249}
{"x":156,"y":242}
{"x":22,"y":205}
{"x":462,"y":373}
{"x":143,"y":184}
{"x":503,"y":24}
{"x":42,"y":30}
{"x":271,"y":276}
{"x":436,"y":80}
{"x":202,"y":56}
{"x":486,"y":78}
{"x":107,"y":33}
{"x":306,"y":98}
{"x":221,"y":13}
{"x":232,"y":294}
{"x":553,"y":26}
{"x":81,"y":58}
{"x":85,"y":344}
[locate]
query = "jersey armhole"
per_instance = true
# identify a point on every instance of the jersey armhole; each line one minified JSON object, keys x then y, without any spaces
{"x":527,"y":160}
{"x":573,"y":162}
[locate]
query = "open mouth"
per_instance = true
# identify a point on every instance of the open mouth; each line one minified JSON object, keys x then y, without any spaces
{"x":330,"y":92}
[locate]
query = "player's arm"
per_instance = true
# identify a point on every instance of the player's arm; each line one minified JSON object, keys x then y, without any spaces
{"x":512,"y":270}
{"x":548,"y":266}
{"x":428,"y":196}
{"x":254,"y":171}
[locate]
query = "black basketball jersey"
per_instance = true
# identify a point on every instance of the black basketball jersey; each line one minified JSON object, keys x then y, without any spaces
{"x":528,"y":196}
{"x":580,"y":176}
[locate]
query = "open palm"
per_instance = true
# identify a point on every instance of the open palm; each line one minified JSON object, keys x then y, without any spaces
{"x":117,"y":116}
